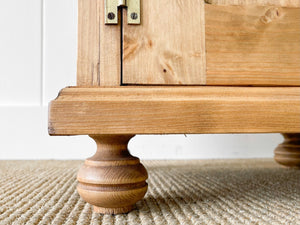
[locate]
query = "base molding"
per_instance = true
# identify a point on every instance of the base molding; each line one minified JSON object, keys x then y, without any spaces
{"x":175,"y":110}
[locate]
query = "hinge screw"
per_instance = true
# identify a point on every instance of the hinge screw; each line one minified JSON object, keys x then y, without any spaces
{"x":134,"y":16}
{"x":111,"y":15}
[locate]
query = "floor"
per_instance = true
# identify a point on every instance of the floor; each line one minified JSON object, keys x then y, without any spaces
{"x":255,"y":191}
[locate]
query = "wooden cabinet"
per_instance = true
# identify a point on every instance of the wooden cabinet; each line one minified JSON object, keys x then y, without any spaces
{"x":190,"y":66}
{"x":191,"y":43}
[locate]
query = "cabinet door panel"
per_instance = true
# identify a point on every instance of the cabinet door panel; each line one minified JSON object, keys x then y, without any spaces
{"x":252,"y":45}
{"x":195,"y":43}
{"x":168,"y":47}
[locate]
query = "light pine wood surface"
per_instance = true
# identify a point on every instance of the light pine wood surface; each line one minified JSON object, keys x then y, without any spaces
{"x":98,"y":60}
{"x":88,"y":43}
{"x":283,"y":3}
{"x":110,"y":51}
{"x":112,"y":180}
{"x":163,"y":110}
{"x":252,"y":45}
{"x":168,"y":47}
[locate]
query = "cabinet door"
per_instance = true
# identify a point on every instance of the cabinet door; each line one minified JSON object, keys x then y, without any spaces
{"x":252,"y":45}
{"x":168,"y":47}
{"x":191,"y":42}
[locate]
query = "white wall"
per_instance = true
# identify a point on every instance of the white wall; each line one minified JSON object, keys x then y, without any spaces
{"x":38,"y":58}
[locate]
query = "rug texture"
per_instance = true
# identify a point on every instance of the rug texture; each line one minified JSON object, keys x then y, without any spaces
{"x":180,"y":192}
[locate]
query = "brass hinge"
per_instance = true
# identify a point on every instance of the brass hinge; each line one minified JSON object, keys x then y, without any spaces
{"x":133,"y":11}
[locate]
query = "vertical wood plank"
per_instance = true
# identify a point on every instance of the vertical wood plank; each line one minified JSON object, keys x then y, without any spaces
{"x":98,"y":47}
{"x":110,"y":51}
{"x":168,"y":47}
{"x":88,"y":43}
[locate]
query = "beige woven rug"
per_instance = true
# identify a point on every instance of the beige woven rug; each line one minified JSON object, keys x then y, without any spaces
{"x":180,"y":192}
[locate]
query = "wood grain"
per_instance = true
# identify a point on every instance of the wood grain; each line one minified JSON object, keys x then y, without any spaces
{"x":175,"y":110}
{"x":88,"y":43}
{"x":98,"y":60}
{"x":168,"y":47}
{"x":283,"y":3}
{"x":112,"y":180}
{"x":110,"y":51}
{"x":252,"y":45}
{"x":288,"y":153}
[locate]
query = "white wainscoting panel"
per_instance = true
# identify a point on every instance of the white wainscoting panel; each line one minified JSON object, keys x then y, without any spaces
{"x":20,"y":52}
{"x":60,"y":46}
{"x":24,"y":135}
{"x":205,"y":146}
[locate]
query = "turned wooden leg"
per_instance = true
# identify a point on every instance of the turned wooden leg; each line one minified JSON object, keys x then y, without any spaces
{"x":288,"y":153}
{"x":112,"y":180}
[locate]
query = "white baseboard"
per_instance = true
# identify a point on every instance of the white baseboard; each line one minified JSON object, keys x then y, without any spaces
{"x":23,"y":132}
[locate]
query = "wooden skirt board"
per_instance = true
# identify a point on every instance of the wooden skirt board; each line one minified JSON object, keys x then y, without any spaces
{"x":173,"y":110}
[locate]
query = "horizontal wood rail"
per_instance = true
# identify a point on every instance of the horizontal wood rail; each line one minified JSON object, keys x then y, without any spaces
{"x":172,"y":110}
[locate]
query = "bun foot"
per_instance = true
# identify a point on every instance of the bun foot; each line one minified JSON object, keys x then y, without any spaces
{"x":112,"y":180}
{"x":288,"y":153}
